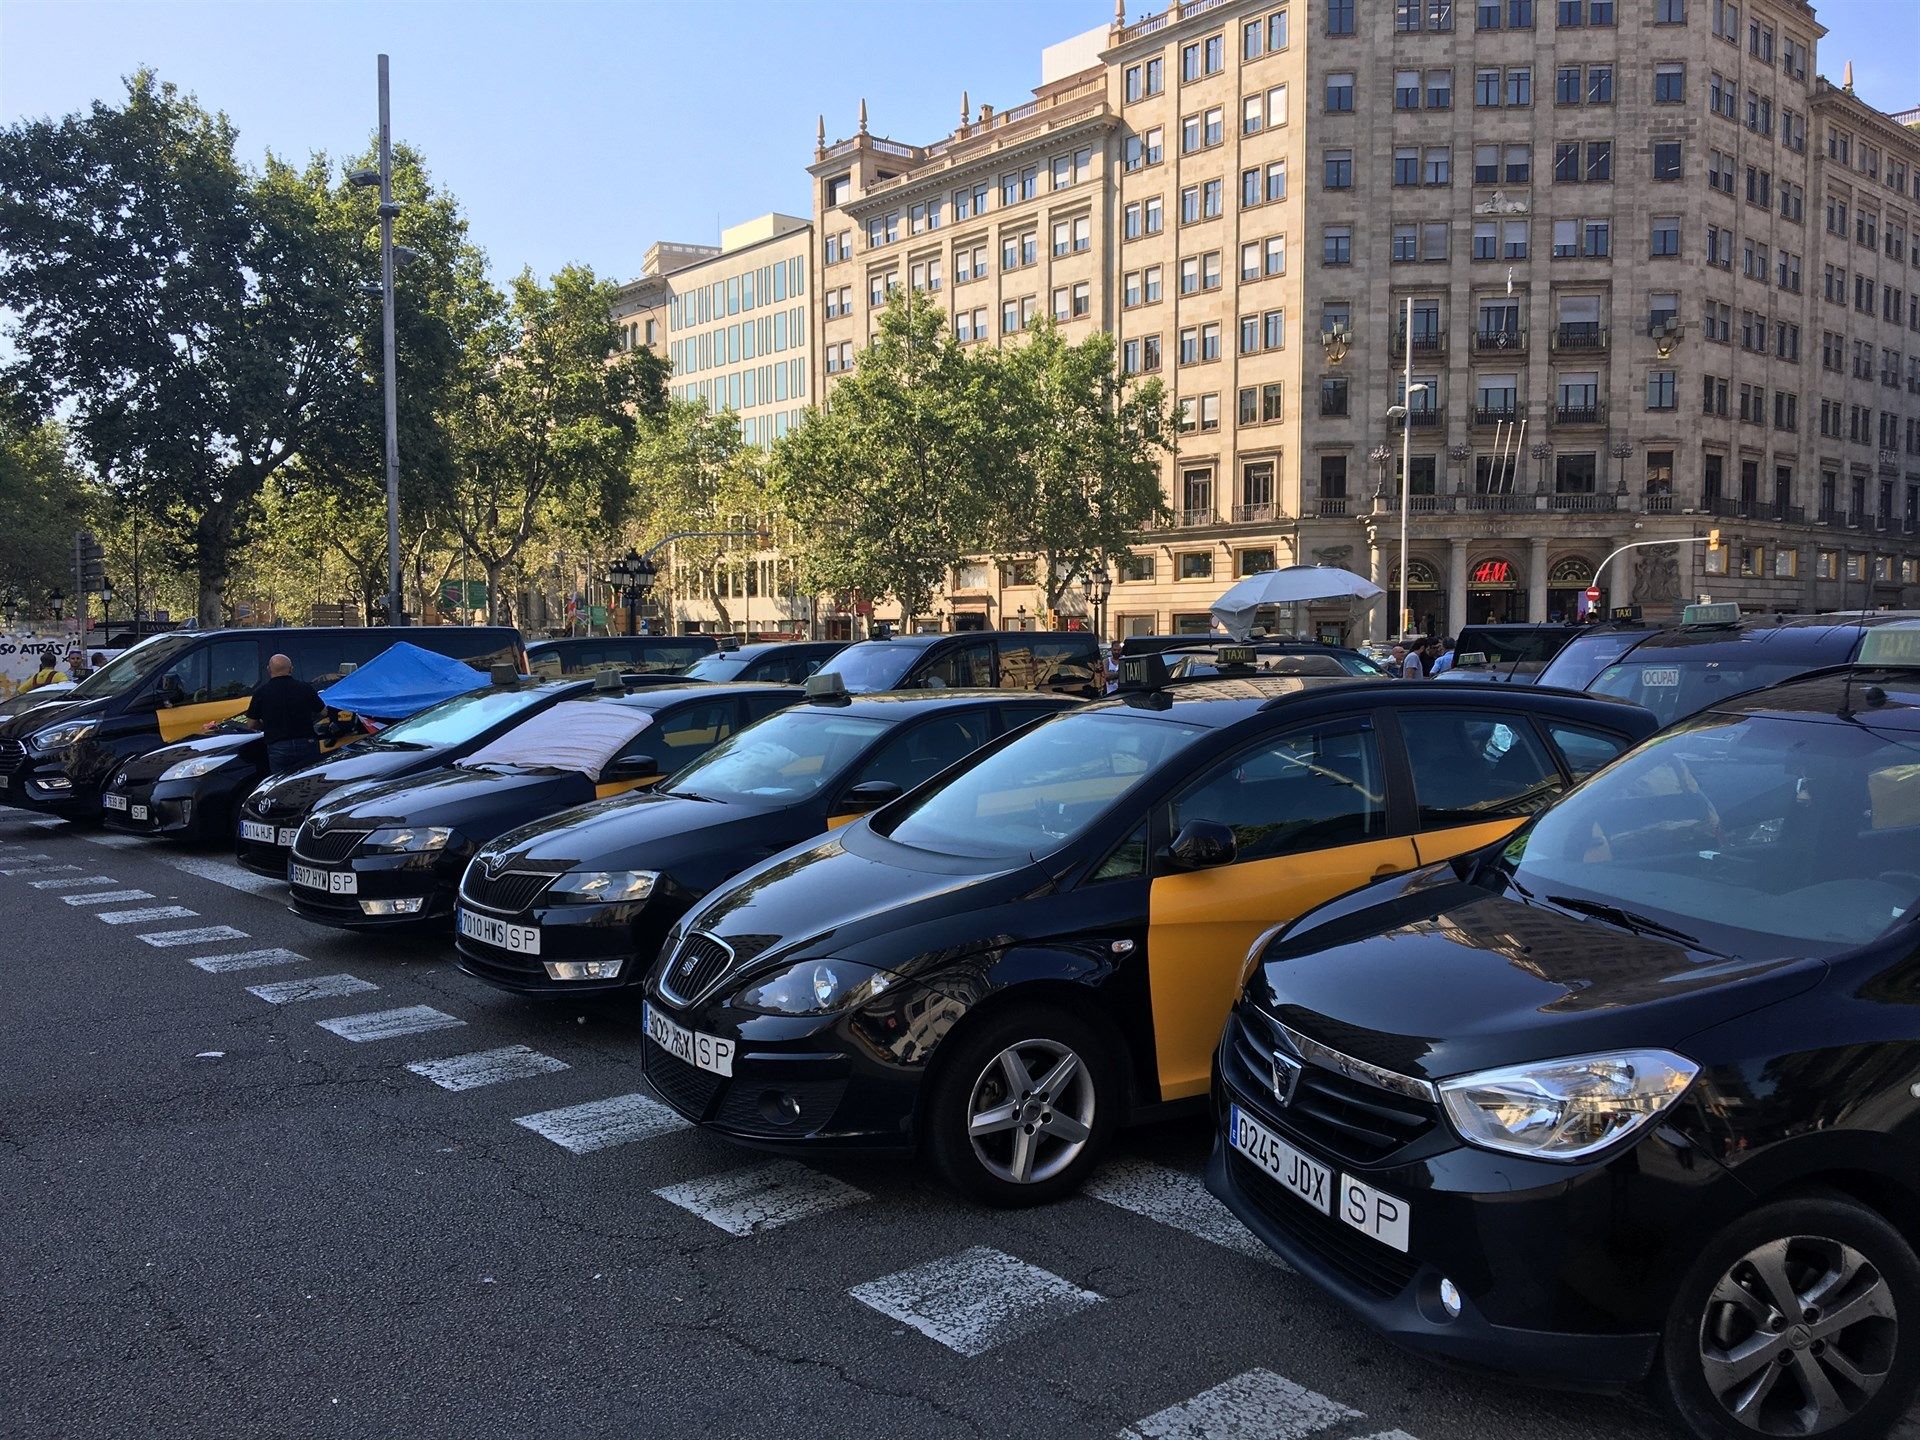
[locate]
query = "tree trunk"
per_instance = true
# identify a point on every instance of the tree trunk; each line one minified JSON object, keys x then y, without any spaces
{"x":493,"y":569}
{"x":212,"y":537}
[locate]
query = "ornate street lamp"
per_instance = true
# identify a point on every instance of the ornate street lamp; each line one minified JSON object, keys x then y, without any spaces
{"x":106,"y":603}
{"x":57,"y":601}
{"x":1334,"y":341}
{"x":635,"y":574}
{"x":1098,"y":585}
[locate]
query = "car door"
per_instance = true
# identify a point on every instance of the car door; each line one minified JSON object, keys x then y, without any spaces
{"x":1308,"y":808}
{"x":680,"y":736}
{"x":967,"y":666}
{"x":1477,"y":773}
{"x":211,"y":682}
{"x":915,"y":753}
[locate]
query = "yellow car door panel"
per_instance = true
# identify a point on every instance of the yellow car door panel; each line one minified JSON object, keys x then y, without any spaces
{"x":183,"y":722}
{"x":1444,"y":844}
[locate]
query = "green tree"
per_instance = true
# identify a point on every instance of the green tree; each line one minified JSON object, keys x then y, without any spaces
{"x":188,"y":316}
{"x":888,"y":485}
{"x":44,"y":499}
{"x":693,"y":472}
{"x":544,"y":425}
{"x":1087,"y":448}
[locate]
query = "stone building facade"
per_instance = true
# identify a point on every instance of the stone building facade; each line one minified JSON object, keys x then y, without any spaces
{"x":1663,"y":280}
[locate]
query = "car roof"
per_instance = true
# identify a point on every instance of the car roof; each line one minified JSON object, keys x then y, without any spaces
{"x":1788,"y":637}
{"x":659,"y":697}
{"x":889,"y":704}
{"x":1224,"y":701}
{"x":767,"y":647}
{"x":581,"y":641}
{"x":1843,"y":694}
{"x":923,"y":641}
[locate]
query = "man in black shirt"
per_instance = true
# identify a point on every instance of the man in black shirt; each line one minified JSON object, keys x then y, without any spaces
{"x":283,"y":709}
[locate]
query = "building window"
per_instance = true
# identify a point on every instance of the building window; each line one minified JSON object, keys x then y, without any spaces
{"x":1660,"y":390}
{"x":1665,"y":235}
{"x":1669,"y":84}
{"x":1339,"y":169}
{"x":1337,"y":245}
{"x":1666,"y":159}
{"x":1340,"y":91}
{"x":1339,"y":17}
{"x":1196,"y":565}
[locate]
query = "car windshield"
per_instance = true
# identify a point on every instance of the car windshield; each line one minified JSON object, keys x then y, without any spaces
{"x":128,"y":671}
{"x":1674,"y":684}
{"x":870,"y":666}
{"x":786,"y":757}
{"x":454,"y":721}
{"x":1585,"y":656}
{"x":1053,"y":781}
{"x":724,"y":666}
{"x":1759,"y":835}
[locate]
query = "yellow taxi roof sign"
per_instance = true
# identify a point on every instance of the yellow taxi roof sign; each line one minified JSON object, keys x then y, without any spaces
{"x":1890,"y":647}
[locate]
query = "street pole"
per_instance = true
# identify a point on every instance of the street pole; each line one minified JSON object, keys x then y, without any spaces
{"x":387,"y":211}
{"x":1406,"y":469}
{"x":1601,"y":569}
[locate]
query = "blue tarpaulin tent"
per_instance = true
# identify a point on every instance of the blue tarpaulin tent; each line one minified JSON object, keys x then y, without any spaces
{"x":400,"y":681}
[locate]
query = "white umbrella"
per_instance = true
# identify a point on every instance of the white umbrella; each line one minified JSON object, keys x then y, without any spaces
{"x":1289,"y":586}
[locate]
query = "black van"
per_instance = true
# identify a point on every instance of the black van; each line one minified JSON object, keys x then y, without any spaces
{"x":630,"y":654}
{"x":1058,"y":662}
{"x":56,"y":758}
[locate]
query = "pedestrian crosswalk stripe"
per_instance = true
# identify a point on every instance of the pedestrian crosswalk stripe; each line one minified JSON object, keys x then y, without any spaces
{"x":244,"y":960}
{"x":315,"y":987}
{"x":20,"y":864}
{"x":150,"y":912}
{"x":205,"y":935}
{"x":1388,"y":1435}
{"x":1257,"y":1405}
{"x":745,"y":1202}
{"x":225,"y":872}
{"x":602,"y":1124}
{"x":975,"y":1300}
{"x":114,"y":840}
{"x":487,"y":1067}
{"x":51,"y":822}
{"x":1175,"y":1198}
{"x":68,"y":882}
{"x":390,"y":1024}
{"x":105,"y":897}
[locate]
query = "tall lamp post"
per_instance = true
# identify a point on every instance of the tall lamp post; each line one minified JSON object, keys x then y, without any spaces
{"x":1099,"y":585}
{"x":635,"y":574}
{"x":106,"y":607}
{"x":383,"y":177}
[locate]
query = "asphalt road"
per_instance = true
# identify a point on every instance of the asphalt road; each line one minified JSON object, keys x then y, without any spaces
{"x":222,"y":1216}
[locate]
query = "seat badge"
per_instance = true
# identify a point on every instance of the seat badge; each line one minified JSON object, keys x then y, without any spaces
{"x":1286,"y":1078}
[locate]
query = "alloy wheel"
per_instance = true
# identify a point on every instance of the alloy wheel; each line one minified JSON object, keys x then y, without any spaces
{"x":1798,"y":1335}
{"x":1030,"y":1113}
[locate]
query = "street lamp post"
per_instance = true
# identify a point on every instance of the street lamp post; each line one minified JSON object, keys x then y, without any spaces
{"x":634,"y":573}
{"x":1099,"y":585}
{"x":106,"y":606}
{"x":388,"y":211}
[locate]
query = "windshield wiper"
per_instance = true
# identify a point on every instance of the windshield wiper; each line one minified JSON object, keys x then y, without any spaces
{"x":1629,"y":920}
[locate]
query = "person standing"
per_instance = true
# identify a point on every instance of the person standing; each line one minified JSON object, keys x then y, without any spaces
{"x":1412,"y":666}
{"x":283,"y":710}
{"x":49,"y":673}
{"x":1443,"y":662}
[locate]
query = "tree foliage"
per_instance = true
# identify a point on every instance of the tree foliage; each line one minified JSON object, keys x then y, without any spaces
{"x":889,"y":485}
{"x":693,"y":472}
{"x":43,"y":501}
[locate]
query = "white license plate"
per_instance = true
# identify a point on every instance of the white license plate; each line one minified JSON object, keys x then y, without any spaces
{"x":5,"y":781}
{"x":287,"y":832}
{"x":139,"y":812}
{"x":114,"y":802}
{"x":1372,"y":1212}
{"x":520,"y":939}
{"x":707,"y":1052}
{"x":334,"y":882}
{"x":266,"y":834}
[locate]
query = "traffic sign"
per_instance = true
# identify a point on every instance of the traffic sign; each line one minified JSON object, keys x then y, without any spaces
{"x":1593,"y":594}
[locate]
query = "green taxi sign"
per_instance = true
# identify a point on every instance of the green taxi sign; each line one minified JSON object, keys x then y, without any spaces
{"x":1726,"y":613}
{"x":1472,"y":660}
{"x":1891,"y":647}
{"x":1234,"y":655}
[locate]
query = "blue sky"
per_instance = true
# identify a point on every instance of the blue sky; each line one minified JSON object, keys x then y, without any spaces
{"x":587,"y":129}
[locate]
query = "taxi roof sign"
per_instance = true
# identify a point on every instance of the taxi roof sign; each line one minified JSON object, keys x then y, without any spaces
{"x":1234,"y":654}
{"x":1472,"y":660}
{"x":1725,"y":613}
{"x":829,"y":689}
{"x":1892,"y":647}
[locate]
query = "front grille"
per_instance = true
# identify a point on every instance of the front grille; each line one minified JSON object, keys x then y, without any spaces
{"x":326,"y":844}
{"x":687,"y":1088}
{"x":696,"y":964}
{"x":1345,"y":1116}
{"x":1375,"y":1268}
{"x":509,"y":892}
{"x":13,"y":754}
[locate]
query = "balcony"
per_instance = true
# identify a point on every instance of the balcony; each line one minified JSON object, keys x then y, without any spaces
{"x":1427,"y":418}
{"x":1416,"y":504}
{"x":1660,"y":503}
{"x":1191,"y":519}
{"x":1423,"y":343}
{"x":1502,"y":503}
{"x":1499,"y":342}
{"x":1255,"y":512}
{"x":1583,"y":502}
{"x":1733,"y":508}
{"x":1333,"y":507}
{"x":1485,"y":416}
{"x":1579,"y":413}
{"x":1584,"y":336}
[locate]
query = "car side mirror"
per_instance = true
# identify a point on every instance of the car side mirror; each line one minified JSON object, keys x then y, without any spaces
{"x":1202,"y":845}
{"x":632,"y":767}
{"x":149,"y":700}
{"x":868,"y":795}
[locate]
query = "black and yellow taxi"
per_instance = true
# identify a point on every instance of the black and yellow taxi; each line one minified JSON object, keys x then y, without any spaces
{"x":391,"y":854}
{"x":582,"y":900}
{"x":1006,"y":962}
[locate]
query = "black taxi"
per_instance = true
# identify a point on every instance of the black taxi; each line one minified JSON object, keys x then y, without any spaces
{"x":1006,"y":962}
{"x":583,"y":899}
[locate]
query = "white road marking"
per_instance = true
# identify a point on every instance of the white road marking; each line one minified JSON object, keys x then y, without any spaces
{"x":205,"y":935}
{"x":14,"y":864}
{"x":36,"y":870}
{"x":225,"y":872}
{"x":487,"y":1067}
{"x":390,"y":1024}
{"x":316,"y":987}
{"x":51,"y":822}
{"x":114,"y":840}
{"x":1258,"y":1405}
{"x":71,"y":881}
{"x":1176,"y":1198}
{"x":150,"y":912}
{"x":602,"y":1124}
{"x":1388,"y":1435}
{"x":102,"y":897}
{"x":975,"y":1300}
{"x":745,"y":1202}
{"x":244,"y":960}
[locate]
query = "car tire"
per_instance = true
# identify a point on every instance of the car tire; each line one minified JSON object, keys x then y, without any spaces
{"x":1832,"y":1258}
{"x":1010,"y":1143}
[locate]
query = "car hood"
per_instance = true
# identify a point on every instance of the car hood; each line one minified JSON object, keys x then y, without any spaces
{"x":20,"y":726}
{"x":153,"y":764}
{"x":300,"y":790}
{"x":480,"y":802}
{"x":629,"y":832}
{"x":1442,"y":979}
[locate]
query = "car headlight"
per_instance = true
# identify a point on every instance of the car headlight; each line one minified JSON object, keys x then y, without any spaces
{"x":58,"y":737}
{"x":194,"y":768}
{"x":406,"y":839}
{"x":1565,"y":1109}
{"x":814,"y":987}
{"x":588,"y":887}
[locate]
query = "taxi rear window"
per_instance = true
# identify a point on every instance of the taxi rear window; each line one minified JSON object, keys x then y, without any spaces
{"x":1675,"y":686}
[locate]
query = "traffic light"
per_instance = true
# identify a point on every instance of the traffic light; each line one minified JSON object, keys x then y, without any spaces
{"x":92,"y":559}
{"x":1713,"y":538}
